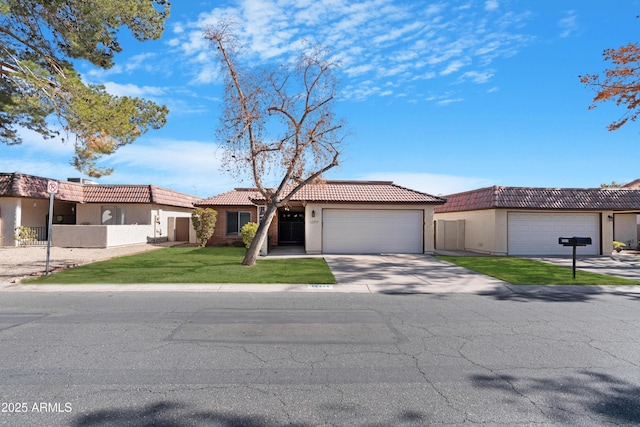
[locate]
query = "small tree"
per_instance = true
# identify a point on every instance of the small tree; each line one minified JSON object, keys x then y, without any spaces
{"x":613,"y":184}
{"x":24,"y":235}
{"x":248,"y":232}
{"x":204,"y":222}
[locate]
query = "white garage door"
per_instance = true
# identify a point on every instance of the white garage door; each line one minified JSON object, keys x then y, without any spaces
{"x":538,"y":233}
{"x":371,"y":231}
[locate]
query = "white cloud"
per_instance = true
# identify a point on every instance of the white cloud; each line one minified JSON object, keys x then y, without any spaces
{"x":187,"y":166}
{"x":372,"y":39}
{"x":192,"y":167}
{"x":432,"y":183}
{"x":34,"y":143}
{"x":569,"y":24}
{"x":132,"y":90}
{"x":139,"y":61}
{"x":449,"y":101}
{"x":476,"y":77}
{"x":453,"y":67}
{"x":491,"y":5}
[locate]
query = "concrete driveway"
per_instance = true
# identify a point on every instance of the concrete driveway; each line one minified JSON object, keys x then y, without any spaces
{"x":407,"y":273}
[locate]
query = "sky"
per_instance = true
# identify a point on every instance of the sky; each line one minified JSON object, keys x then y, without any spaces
{"x":438,"y":96}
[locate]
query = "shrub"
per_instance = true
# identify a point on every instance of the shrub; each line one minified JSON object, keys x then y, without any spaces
{"x":204,"y":222}
{"x":618,"y":246}
{"x":25,"y":235}
{"x":248,"y":232}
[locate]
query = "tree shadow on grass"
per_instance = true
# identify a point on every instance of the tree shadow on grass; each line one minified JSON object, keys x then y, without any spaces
{"x":599,"y":396}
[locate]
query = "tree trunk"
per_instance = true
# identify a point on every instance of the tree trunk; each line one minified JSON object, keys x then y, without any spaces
{"x":261,"y":234}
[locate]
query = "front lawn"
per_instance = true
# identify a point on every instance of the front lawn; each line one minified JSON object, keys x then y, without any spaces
{"x":519,"y":271}
{"x":194,"y":265}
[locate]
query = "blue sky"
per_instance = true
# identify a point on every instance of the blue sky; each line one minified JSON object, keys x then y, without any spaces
{"x":438,"y":96}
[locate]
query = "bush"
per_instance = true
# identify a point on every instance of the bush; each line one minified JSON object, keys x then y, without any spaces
{"x":248,"y":232}
{"x":618,"y":246}
{"x":204,"y":222}
{"x":25,"y":235}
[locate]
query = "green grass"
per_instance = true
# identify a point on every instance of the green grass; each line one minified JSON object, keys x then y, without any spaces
{"x":194,"y":265}
{"x":519,"y":271}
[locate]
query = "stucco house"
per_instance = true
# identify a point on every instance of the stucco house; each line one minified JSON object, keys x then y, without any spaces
{"x":92,"y":215}
{"x":528,"y":221}
{"x":341,"y":217}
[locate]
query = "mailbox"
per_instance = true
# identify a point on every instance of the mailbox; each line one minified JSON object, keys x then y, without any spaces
{"x":574,"y":241}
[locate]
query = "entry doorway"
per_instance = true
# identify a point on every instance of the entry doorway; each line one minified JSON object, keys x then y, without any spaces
{"x":182,"y":229}
{"x":291,"y":228}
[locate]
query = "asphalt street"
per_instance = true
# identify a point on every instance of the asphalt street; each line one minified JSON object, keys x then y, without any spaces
{"x":319,"y":359}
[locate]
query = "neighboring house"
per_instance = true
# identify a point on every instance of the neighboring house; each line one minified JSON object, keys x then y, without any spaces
{"x":635,"y":185}
{"x":92,"y":215}
{"x":334,"y":217}
{"x":528,"y":221}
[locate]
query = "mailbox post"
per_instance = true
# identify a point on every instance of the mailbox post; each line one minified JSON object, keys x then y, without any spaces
{"x":575,"y":242}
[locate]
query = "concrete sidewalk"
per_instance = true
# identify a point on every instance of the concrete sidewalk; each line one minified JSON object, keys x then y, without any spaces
{"x":386,"y":274}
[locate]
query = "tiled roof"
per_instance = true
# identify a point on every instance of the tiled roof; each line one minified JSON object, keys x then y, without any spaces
{"x":542,"y":198}
{"x":363,"y":192}
{"x":117,"y":194}
{"x":137,"y":194}
{"x":20,"y":185}
{"x":236,"y":197}
{"x":331,"y":191}
{"x":635,"y":184}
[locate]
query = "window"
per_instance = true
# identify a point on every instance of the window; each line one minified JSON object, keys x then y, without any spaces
{"x":235,"y":221}
{"x":111,"y":215}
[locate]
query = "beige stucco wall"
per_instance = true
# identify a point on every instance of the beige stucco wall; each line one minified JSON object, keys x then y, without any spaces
{"x":626,"y":228}
{"x":486,"y":230}
{"x":450,"y":235}
{"x":313,"y":223}
{"x":155,"y":222}
{"x":480,"y":230}
{"x":99,"y":236}
{"x":10,"y":215}
{"x":166,"y":227}
{"x":34,"y":216}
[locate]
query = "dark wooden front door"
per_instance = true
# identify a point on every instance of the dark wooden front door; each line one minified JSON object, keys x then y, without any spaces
{"x":182,"y":229}
{"x":290,"y":228}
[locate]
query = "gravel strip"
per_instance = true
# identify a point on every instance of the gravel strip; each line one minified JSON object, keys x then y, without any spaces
{"x":18,"y":262}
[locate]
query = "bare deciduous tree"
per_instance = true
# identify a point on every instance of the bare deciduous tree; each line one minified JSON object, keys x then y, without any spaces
{"x":277,"y":123}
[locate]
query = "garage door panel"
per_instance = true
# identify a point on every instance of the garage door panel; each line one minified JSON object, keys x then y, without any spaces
{"x":537,"y":234}
{"x":372,"y":231}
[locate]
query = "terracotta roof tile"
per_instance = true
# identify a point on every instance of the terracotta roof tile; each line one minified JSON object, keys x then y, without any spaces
{"x":542,"y":198}
{"x":20,"y":185}
{"x":635,"y":184}
{"x":236,"y":197}
{"x":163,"y":196}
{"x":333,"y":192}
{"x":117,"y":194}
{"x":363,"y":192}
